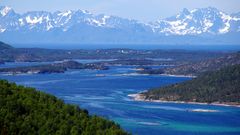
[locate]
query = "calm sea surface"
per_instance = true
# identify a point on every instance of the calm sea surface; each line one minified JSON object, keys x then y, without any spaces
{"x":105,"y":93}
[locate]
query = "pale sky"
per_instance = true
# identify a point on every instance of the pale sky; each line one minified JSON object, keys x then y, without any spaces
{"x":143,"y":10}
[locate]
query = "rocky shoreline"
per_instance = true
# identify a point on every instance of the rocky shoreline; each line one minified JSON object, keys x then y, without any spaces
{"x":142,"y":97}
{"x":170,"y":75}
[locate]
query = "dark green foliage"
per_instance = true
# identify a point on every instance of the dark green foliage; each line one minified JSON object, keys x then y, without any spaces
{"x":196,"y":68}
{"x":218,"y":86}
{"x":151,"y":71}
{"x":27,"y":111}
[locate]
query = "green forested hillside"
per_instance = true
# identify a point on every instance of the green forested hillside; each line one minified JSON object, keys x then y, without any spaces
{"x":219,"y":86}
{"x":197,"y":68}
{"x":27,"y":111}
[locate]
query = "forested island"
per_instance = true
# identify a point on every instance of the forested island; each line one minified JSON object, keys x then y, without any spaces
{"x":137,"y":62}
{"x":53,"y":68}
{"x":221,"y":86}
{"x":28,"y":111}
{"x":197,"y":67}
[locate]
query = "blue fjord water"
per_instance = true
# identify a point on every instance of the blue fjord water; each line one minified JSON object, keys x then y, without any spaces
{"x":105,"y":93}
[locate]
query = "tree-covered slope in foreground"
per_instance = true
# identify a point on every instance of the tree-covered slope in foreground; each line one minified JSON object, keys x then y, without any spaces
{"x":222,"y":86}
{"x":27,"y":111}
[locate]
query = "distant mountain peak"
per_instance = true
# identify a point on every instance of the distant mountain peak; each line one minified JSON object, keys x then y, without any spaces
{"x":65,"y":13}
{"x":84,"y":11}
{"x":185,"y":11}
{"x":197,"y":22}
{"x":4,"y":10}
{"x":210,"y":9}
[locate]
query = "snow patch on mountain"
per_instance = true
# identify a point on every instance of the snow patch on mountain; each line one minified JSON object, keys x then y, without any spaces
{"x":195,"y":22}
{"x":21,"y":22}
{"x":66,"y":13}
{"x":207,"y":24}
{"x":5,"y":10}
{"x":34,"y":20}
{"x":2,"y":30}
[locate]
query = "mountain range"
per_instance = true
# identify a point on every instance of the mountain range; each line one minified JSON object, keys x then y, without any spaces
{"x":198,"y":26}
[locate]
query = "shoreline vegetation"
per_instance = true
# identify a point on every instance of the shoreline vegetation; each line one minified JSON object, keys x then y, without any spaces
{"x":25,"y":110}
{"x":141,"y":97}
{"x":219,"y":87}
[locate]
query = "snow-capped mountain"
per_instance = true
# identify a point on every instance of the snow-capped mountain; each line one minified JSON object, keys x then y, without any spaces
{"x":198,"y":21}
{"x":82,"y":26}
{"x":46,"y":21}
